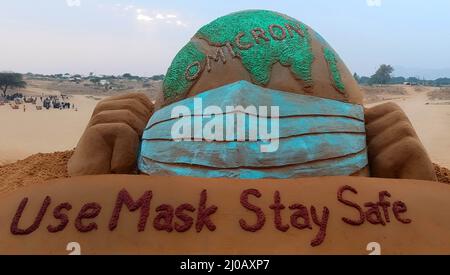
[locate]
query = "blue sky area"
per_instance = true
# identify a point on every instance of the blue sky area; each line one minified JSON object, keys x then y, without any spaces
{"x":142,"y":37}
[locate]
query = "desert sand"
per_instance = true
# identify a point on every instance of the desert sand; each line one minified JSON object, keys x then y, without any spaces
{"x":42,"y":131}
{"x":430,"y":118}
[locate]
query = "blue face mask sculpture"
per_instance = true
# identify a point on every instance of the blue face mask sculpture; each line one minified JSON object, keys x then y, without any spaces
{"x":308,"y":136}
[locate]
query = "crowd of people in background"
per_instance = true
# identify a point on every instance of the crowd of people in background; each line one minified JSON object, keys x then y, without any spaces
{"x":55,"y":102}
{"x":47,"y":102}
{"x":12,"y":97}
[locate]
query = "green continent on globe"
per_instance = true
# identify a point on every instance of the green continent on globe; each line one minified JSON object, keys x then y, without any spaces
{"x":290,"y":49}
{"x":175,"y":81}
{"x":332,"y":60}
{"x":259,"y":38}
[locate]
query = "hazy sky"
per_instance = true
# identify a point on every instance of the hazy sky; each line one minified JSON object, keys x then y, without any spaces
{"x":141,"y":37}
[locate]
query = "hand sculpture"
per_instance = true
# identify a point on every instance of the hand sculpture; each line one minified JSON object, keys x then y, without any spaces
{"x":110,"y":142}
{"x":395,"y":150}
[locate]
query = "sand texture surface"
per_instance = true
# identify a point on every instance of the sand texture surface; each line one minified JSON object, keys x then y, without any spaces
{"x":35,"y":169}
{"x":42,"y":131}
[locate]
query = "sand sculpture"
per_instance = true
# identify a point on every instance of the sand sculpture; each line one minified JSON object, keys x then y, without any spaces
{"x":271,"y":51}
{"x":241,"y":201}
{"x":113,"y":214}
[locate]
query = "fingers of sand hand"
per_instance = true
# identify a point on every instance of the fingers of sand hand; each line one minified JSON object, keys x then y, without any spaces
{"x":136,"y":96}
{"x":143,"y":100}
{"x":389,"y":162}
{"x":119,"y":116}
{"x":380,"y":124}
{"x":126,"y":145}
{"x":92,"y":155}
{"x":375,"y":112}
{"x":390,"y":135}
{"x":132,"y":105}
{"x":405,"y":159}
{"x":420,"y":168}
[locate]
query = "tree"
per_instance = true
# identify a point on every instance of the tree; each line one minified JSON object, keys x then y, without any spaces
{"x":11,"y":80}
{"x":382,"y":75}
{"x":364,"y":80}
{"x":95,"y":80}
{"x":157,"y":77}
{"x":397,"y":80}
{"x":442,"y":81}
{"x":356,"y":77}
{"x":413,"y":80}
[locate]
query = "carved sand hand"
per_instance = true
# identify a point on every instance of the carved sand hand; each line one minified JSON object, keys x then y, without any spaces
{"x":395,"y":150}
{"x":110,"y":143}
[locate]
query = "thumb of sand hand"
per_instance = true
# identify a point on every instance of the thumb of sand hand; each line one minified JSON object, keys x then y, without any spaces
{"x":110,"y":143}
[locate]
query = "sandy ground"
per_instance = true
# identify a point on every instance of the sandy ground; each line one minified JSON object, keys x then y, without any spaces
{"x":43,"y":131}
{"x":431,"y":121}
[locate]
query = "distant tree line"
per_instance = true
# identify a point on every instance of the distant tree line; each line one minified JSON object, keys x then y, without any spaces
{"x":96,"y":78}
{"x":157,"y":77}
{"x":11,"y":80}
{"x":384,"y":76}
{"x":154,"y":77}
